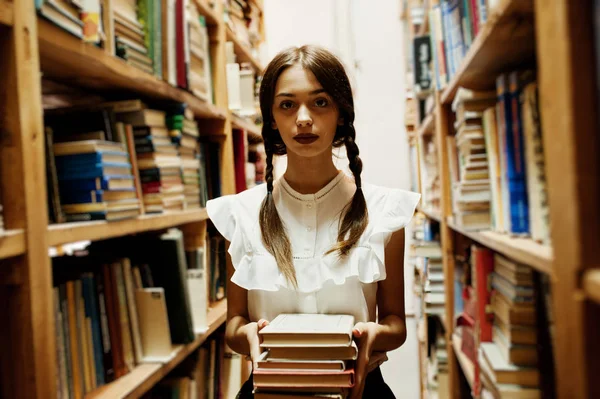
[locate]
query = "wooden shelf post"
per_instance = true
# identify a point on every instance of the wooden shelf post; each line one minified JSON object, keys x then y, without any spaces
{"x":569,"y":110}
{"x":28,"y":357}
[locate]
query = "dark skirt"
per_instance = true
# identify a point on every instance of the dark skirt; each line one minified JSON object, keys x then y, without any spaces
{"x":375,"y":387}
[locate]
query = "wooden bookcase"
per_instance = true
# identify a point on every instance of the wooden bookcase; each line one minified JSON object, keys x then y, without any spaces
{"x":28,"y":46}
{"x":557,"y":36}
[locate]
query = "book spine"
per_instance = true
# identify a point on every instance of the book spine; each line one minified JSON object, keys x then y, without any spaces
{"x":113,"y":322}
{"x":109,"y":372}
{"x":91,"y":305}
{"x":504,"y":119}
{"x":519,"y":212}
{"x":121,"y":296}
{"x":64,"y":304}
{"x":76,"y":368}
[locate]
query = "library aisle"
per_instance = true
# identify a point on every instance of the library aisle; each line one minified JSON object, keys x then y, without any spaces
{"x":120,"y":119}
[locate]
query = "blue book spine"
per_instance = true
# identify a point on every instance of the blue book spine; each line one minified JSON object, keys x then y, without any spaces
{"x":98,"y":183}
{"x":90,"y":158}
{"x":82,"y":197}
{"x":517,"y":183}
{"x":90,"y":171}
{"x":483,"y":12}
{"x":91,"y":311}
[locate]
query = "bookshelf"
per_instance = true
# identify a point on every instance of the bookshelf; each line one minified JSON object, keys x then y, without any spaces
{"x":30,"y":45}
{"x":427,"y":126}
{"x":65,"y":233}
{"x":145,"y":376}
{"x":558,"y":39}
{"x":506,"y":40}
{"x":6,"y":13}
{"x":12,"y":243}
{"x":242,"y":53}
{"x":242,"y":123}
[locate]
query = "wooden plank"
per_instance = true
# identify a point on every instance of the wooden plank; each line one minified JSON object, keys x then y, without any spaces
{"x":254,"y":131}
{"x":145,"y":376}
{"x":6,"y":13}
{"x":522,"y":250}
{"x":466,"y":364}
{"x":65,"y":233}
{"x":12,"y":243}
{"x":431,"y":214}
{"x":28,"y":363}
{"x":109,"y":26}
{"x":441,"y":132}
{"x":568,"y":104}
{"x":242,"y":53}
{"x":591,"y":285}
{"x":427,"y":126}
{"x":208,"y":13}
{"x":64,"y":57}
{"x":505,"y":42}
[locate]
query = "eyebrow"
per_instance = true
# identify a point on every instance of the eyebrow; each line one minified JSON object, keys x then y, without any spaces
{"x":312,"y":93}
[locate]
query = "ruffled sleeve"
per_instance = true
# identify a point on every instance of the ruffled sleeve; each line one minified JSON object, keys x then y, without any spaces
{"x":390,"y":210}
{"x":223,"y":213}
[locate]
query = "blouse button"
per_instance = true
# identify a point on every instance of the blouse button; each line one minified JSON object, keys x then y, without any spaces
{"x":309,"y":205}
{"x":308,"y":229}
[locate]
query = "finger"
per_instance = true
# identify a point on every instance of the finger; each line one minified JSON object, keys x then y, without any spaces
{"x":358,"y":330}
{"x":262,"y":323}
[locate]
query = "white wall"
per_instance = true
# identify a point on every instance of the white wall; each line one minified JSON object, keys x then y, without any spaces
{"x":368,"y":36}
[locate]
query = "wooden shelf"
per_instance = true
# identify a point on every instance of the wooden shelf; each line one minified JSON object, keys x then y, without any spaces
{"x":6,"y":13}
{"x":431,"y":214}
{"x":254,"y":132}
{"x":242,"y":53}
{"x":466,"y":364}
{"x":64,"y":233}
{"x":141,"y":379}
{"x":506,"y":41}
{"x":207,"y":12}
{"x":65,"y":57}
{"x":591,"y":285}
{"x":427,"y":127}
{"x":12,"y":243}
{"x":523,"y":250}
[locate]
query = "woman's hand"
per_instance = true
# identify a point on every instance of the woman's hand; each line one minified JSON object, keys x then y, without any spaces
{"x":364,"y":335}
{"x":254,"y":339}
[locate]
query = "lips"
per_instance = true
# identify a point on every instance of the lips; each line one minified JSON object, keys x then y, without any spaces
{"x":306,"y":138}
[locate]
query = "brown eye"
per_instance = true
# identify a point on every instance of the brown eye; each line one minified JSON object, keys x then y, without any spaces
{"x":286,"y":105}
{"x":321,"y":102}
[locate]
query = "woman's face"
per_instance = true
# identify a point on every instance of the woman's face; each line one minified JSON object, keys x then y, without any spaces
{"x":304,"y":114}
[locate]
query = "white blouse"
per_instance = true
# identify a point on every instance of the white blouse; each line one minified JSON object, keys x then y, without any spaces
{"x":326,"y":284}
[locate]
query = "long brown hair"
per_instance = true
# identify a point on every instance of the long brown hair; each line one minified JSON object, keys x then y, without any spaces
{"x":330,"y":73}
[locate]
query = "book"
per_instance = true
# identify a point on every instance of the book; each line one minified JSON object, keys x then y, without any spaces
{"x":85,"y":147}
{"x":308,"y":330}
{"x":503,"y":372}
{"x":315,"y":353}
{"x":266,"y":363}
{"x":287,"y":379}
{"x":519,"y":355}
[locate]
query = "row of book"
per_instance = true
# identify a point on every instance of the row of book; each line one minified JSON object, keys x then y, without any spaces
{"x":118,"y":304}
{"x":116,"y":160}
{"x":496,"y":159}
{"x":243,"y":18}
{"x":167,"y":38}
{"x":505,"y":326}
{"x":453,"y":26}
{"x":430,"y":174}
{"x":211,"y":372}
{"x":249,"y":161}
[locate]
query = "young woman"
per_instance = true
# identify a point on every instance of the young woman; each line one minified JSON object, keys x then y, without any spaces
{"x":315,"y":240}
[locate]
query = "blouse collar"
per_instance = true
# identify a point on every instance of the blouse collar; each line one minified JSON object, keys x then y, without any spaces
{"x":312,"y":197}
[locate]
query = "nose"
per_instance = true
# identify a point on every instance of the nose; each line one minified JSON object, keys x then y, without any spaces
{"x":303,"y":118}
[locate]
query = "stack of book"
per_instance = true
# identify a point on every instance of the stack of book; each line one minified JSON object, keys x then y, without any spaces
{"x":184,"y":133}
{"x":158,"y":160}
{"x":95,"y":180}
{"x":306,"y":353}
{"x":235,"y":18}
{"x":510,"y":362}
{"x":469,"y":170}
{"x":64,"y":14}
{"x":430,"y":178}
{"x":437,"y":368}
{"x":131,"y":36}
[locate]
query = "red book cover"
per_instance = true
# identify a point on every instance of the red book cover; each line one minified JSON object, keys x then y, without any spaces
{"x":475,"y":17}
{"x":114,"y":326}
{"x":484,"y":266}
{"x":239,"y":161}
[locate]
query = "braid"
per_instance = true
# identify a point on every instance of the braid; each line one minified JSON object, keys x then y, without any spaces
{"x":356,"y":216}
{"x":272,"y":229}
